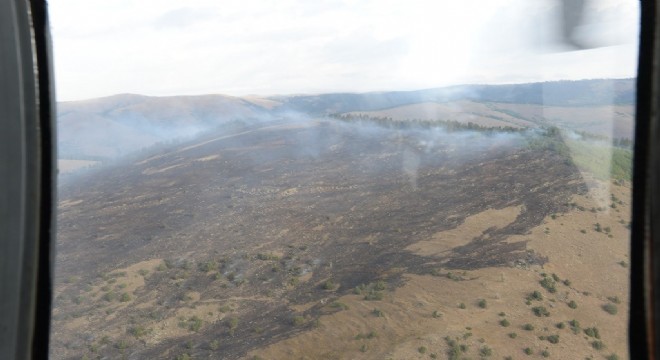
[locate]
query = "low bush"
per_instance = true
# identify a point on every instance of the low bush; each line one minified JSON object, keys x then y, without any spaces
{"x":540,"y":311}
{"x":535,"y":295}
{"x":482,"y":303}
{"x":485,"y":351}
{"x":610,"y":309}
{"x":548,"y":284}
{"x":592,"y":332}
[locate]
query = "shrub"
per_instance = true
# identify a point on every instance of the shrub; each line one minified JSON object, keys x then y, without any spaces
{"x":548,"y":284}
{"x":598,"y":345}
{"x":207,"y":266}
{"x":545,"y":353}
{"x":555,"y":277}
{"x":214,"y":345}
{"x":373,"y":295}
{"x":513,"y":335}
{"x":485,"y":351}
{"x":109,"y":296}
{"x":575,"y":326}
{"x":612,"y":357}
{"x":540,"y":311}
{"x":143,"y":272}
{"x":379,"y":285}
{"x":436,"y":314}
{"x":422,"y":349}
{"x":297,"y":320}
{"x":482,"y":303}
{"x":194,"y":323}
{"x":567,"y":282}
{"x":592,"y":332}
{"x":610,"y":309}
{"x":560,"y":325}
{"x":535,"y":295}
{"x":454,"y":277}
{"x":505,"y":323}
{"x":125,"y":297}
{"x":138,"y":331}
{"x":232,"y":323}
{"x":553,"y":339}
{"x":572,"y":304}
{"x":183,"y":356}
{"x":339,"y":305}
{"x":328,"y":285}
{"x":462,"y":306}
{"x":528,"y":327}
{"x":379,"y":313}
{"x":373,"y":291}
{"x":528,"y":351}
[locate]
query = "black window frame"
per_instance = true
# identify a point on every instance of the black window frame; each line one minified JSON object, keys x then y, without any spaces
{"x":28,"y":184}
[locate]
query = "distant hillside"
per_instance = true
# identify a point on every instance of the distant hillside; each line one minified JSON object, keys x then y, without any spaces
{"x":116,"y":125}
{"x":611,"y":121}
{"x":109,"y":127}
{"x":557,"y":93}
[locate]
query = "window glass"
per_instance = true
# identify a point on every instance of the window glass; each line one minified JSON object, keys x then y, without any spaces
{"x":343,"y":179}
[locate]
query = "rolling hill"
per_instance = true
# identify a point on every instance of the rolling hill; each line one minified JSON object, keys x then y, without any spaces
{"x":108,"y":128}
{"x":322,"y":239}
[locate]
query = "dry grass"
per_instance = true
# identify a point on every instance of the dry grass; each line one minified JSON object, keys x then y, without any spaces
{"x":589,"y":261}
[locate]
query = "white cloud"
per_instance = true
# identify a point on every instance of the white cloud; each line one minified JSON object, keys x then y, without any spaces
{"x":161,"y":47}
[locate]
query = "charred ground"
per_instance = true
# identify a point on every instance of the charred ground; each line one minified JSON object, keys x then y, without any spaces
{"x":262,"y":221}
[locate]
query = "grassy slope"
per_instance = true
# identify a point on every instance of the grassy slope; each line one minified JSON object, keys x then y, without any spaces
{"x":424,"y":319}
{"x":602,"y":160}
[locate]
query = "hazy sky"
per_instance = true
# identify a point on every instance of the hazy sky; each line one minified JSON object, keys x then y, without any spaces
{"x":174,"y":47}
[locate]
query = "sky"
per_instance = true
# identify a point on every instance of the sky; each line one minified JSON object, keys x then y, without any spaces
{"x":265,"y":47}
